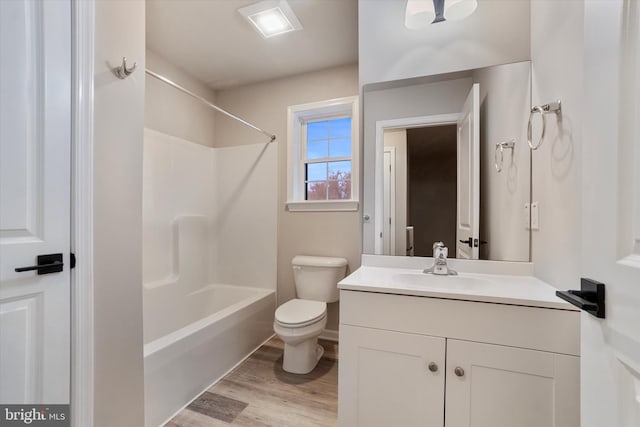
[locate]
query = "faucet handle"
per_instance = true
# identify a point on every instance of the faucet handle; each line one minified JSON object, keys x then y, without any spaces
{"x":440,"y":250}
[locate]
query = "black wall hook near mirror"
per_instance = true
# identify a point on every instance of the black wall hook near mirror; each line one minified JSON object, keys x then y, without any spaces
{"x":589,"y":298}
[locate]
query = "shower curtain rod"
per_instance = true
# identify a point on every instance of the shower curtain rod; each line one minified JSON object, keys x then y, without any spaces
{"x":204,"y":101}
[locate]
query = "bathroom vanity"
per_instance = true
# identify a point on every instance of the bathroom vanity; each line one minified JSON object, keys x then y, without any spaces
{"x":489,"y":350}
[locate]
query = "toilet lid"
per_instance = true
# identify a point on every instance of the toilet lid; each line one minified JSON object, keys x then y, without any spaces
{"x":300,"y":311}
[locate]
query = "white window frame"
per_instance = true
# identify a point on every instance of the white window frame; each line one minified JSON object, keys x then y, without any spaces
{"x":297,"y":116}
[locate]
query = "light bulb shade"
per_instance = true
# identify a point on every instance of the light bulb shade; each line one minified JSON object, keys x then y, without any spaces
{"x":454,"y":10}
{"x":419,"y":14}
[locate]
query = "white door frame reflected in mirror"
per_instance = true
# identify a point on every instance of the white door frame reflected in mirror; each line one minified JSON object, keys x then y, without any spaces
{"x":468,"y":178}
{"x":381,"y":126}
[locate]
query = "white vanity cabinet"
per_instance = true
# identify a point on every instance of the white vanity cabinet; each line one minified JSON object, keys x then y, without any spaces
{"x":385,"y":378}
{"x":492,"y":365}
{"x":501,"y":386}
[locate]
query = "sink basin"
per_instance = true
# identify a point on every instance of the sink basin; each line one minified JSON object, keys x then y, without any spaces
{"x":431,"y":281}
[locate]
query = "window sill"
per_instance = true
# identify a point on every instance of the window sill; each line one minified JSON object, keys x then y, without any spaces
{"x":323,"y":206}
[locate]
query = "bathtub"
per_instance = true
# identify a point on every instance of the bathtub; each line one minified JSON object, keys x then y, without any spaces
{"x":193,"y":340}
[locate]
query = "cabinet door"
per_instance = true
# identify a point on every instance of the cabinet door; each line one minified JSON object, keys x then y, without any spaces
{"x":385,"y":378}
{"x":497,"y":386}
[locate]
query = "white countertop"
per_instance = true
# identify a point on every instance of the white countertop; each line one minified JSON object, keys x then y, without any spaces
{"x":494,"y":288}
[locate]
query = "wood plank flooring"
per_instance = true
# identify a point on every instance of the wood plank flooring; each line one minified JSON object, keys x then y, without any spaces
{"x":260,"y":393}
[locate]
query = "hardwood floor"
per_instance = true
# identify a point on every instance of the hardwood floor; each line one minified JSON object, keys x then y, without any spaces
{"x":260,"y":393}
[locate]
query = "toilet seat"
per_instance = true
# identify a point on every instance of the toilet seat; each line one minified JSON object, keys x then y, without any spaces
{"x":300,"y":312}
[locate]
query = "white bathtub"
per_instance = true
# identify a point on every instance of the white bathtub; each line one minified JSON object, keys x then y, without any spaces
{"x":192,"y":340}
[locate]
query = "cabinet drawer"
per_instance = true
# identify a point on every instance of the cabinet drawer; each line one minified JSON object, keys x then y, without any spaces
{"x":518,"y":326}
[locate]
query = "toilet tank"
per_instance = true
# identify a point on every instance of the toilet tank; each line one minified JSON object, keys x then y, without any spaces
{"x":317,"y":277}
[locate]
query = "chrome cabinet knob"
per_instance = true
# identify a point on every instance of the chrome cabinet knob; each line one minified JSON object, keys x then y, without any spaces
{"x":459,"y":371}
{"x":433,"y":367}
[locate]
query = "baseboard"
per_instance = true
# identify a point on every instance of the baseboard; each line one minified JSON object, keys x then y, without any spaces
{"x":329,"y":335}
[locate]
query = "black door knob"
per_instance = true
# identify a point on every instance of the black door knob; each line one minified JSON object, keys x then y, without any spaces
{"x":46,"y":264}
{"x":469,"y":242}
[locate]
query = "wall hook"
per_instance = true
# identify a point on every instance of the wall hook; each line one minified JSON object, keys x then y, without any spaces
{"x":122,"y":71}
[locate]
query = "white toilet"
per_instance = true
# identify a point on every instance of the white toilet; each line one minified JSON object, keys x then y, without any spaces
{"x":300,"y":321}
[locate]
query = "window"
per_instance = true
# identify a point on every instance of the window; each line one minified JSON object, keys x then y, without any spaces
{"x":327,"y":159}
{"x":323,"y":141}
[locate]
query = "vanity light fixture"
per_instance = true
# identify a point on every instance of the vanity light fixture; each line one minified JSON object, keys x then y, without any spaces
{"x":271,"y":17}
{"x":419,"y":13}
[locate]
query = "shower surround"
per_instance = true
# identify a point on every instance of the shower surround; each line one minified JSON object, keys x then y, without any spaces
{"x":209,"y":264}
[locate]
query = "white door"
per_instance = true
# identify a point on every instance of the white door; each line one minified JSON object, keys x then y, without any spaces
{"x":499,"y":386}
{"x":35,"y":76}
{"x":610,"y":347}
{"x":468,"y":209}
{"x":389,"y":210}
{"x":390,"y":378}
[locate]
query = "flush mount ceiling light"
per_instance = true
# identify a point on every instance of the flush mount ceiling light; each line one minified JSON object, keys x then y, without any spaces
{"x":271,"y":17}
{"x":420,"y":13}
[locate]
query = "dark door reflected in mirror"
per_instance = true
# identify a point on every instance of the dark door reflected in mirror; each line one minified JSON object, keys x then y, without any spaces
{"x":431,"y":187}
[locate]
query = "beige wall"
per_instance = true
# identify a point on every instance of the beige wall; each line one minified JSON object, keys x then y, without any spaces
{"x":170,"y":111}
{"x":117,"y":236}
{"x":505,"y":102}
{"x":299,"y":233}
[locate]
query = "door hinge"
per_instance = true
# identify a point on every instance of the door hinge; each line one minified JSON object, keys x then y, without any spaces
{"x":72,"y":260}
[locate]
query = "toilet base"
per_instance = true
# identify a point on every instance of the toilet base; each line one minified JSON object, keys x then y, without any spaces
{"x":302,"y":358}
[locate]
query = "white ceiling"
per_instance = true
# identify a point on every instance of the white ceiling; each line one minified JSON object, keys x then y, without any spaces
{"x":211,"y":41}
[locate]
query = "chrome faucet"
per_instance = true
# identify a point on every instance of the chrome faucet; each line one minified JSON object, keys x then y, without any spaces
{"x":439,"y":266}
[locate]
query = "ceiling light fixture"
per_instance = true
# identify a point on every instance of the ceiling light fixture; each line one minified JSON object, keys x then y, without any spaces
{"x":420,"y":13}
{"x":271,"y":17}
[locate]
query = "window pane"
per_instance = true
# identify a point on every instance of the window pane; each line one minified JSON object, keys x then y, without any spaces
{"x":317,"y":171}
{"x":317,"y":190}
{"x":340,"y":148}
{"x":339,"y":189}
{"x":318,"y":130}
{"x":317,"y":149}
{"x":340,"y":170}
{"x":341,"y":127}
{"x":339,"y":180}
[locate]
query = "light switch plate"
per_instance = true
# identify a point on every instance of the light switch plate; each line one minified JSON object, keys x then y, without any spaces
{"x":535,"y":216}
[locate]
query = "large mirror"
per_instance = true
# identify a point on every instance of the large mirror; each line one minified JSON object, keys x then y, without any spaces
{"x":446,"y":159}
